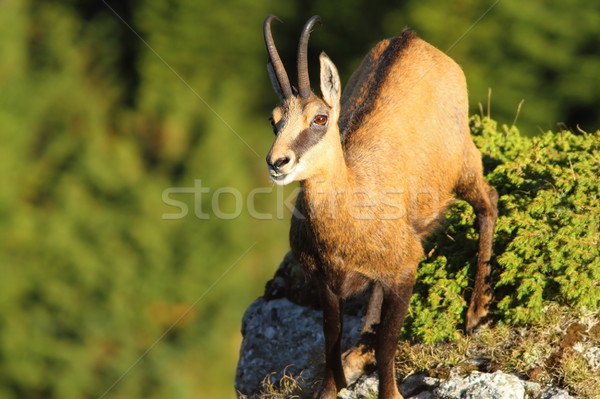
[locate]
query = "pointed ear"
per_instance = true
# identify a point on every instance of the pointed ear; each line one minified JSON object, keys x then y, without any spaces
{"x":274,"y":81}
{"x":331,"y":88}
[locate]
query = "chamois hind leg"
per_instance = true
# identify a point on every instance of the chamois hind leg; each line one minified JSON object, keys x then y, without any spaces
{"x":483,"y":198}
{"x":333,"y":379}
{"x":396,"y":298}
{"x":358,"y":357}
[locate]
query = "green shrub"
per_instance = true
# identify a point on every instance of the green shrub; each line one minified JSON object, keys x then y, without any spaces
{"x":547,"y":235}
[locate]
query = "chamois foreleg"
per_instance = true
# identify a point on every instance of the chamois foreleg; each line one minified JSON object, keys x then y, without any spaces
{"x":358,"y":357}
{"x":393,"y":311}
{"x":333,"y":379}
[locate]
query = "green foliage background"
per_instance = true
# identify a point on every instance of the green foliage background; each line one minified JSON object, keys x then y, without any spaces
{"x":104,"y":105}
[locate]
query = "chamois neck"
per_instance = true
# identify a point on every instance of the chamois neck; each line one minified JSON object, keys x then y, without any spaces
{"x":332,"y":183}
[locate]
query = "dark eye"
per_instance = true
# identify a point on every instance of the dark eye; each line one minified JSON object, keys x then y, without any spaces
{"x":273,"y":124}
{"x":320,"y":120}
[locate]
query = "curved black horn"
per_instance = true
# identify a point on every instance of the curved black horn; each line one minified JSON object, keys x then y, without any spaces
{"x":303,"y":79}
{"x":282,"y":77}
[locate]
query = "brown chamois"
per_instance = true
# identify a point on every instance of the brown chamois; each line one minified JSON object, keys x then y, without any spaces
{"x":378,"y":166}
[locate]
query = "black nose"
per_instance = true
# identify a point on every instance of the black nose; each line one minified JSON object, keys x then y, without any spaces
{"x":279,"y":163}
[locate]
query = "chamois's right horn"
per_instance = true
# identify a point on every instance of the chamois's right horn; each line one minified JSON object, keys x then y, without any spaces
{"x":303,"y":79}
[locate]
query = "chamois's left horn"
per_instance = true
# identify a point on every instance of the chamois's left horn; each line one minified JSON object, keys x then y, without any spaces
{"x":280,"y":73}
{"x":303,"y":79}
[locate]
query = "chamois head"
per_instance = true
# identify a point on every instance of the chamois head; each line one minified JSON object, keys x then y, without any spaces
{"x":304,"y":123}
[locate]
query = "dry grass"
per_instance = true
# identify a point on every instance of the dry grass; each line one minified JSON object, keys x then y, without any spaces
{"x":288,"y":387}
{"x":552,"y":352}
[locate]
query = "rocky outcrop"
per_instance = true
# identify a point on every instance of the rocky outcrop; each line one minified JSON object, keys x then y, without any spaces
{"x":280,"y":336}
{"x":283,"y":332}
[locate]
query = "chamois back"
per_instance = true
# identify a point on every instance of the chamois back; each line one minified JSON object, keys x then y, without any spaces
{"x":404,"y":124}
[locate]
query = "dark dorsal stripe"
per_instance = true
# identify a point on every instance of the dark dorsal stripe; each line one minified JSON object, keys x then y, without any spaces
{"x":354,"y":113}
{"x":306,"y":139}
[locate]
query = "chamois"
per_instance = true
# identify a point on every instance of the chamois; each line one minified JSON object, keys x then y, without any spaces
{"x":378,"y":166}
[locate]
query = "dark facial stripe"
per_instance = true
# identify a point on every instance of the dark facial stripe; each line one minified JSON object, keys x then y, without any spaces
{"x":307,"y":139}
{"x":355,"y":112}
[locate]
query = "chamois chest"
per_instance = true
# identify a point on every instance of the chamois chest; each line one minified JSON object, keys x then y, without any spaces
{"x":336,"y":239}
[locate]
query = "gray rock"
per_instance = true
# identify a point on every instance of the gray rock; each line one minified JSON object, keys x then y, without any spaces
{"x":416,"y":383}
{"x":365,"y":387}
{"x":592,"y":355}
{"x":555,"y":393}
{"x":532,"y":389}
{"x":415,"y":386}
{"x":280,"y":335}
{"x":481,"y":385}
{"x":423,"y":395}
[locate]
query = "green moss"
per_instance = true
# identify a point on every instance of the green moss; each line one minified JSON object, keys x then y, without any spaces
{"x":546,"y":241}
